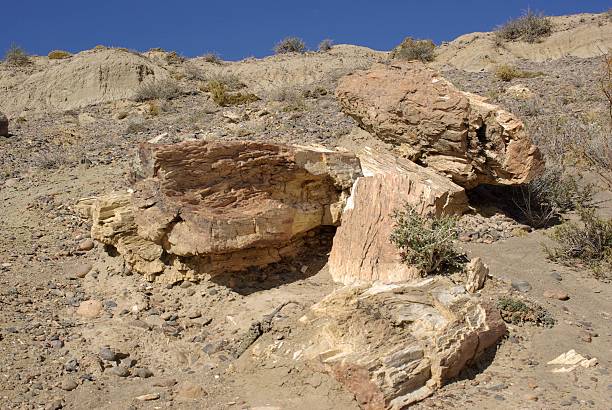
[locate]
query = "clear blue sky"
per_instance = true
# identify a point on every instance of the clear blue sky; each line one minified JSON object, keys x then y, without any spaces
{"x":240,"y":28}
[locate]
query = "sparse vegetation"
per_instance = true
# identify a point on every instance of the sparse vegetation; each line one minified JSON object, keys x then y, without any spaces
{"x":58,"y":55}
{"x":212,"y":58}
{"x":530,"y":27}
{"x":163,"y":89}
{"x":518,"y":312}
{"x":588,"y":243}
{"x":231,"y":81}
{"x":411,"y":49}
{"x":290,"y":45}
{"x":16,"y":56}
{"x":606,"y":82}
{"x":221,"y":95}
{"x":426,"y":242}
{"x":174,"y":58}
{"x":507,"y":72}
{"x":546,"y":197}
{"x":326,"y":45}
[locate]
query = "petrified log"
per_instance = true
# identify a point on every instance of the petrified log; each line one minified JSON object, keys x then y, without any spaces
{"x":393,"y":345}
{"x":202,"y":208}
{"x":436,"y":125}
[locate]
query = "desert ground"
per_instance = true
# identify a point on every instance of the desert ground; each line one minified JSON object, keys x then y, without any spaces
{"x":81,"y":329}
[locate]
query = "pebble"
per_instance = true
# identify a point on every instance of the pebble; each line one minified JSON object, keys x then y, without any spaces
{"x":90,"y":309}
{"x":190,"y":390}
{"x":56,"y":344}
{"x":106,"y":353}
{"x":79,"y":270}
{"x":164,"y":382}
{"x":148,"y":397}
{"x":556,"y":276}
{"x":143,"y":372}
{"x":71,"y":365}
{"x":120,"y":371}
{"x":556,"y":294}
{"x":531,"y":397}
{"x":68,"y":384}
{"x":54,"y":405}
{"x":521,"y":286}
{"x":194,"y":314}
{"x":86,"y":245}
{"x":128,"y":362}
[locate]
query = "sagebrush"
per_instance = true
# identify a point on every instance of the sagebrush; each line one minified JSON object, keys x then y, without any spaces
{"x":507,"y":72}
{"x":58,"y":55}
{"x":426,"y":242}
{"x":326,"y":45}
{"x":223,"y":97}
{"x":290,"y":45}
{"x":16,"y":56}
{"x":530,"y":27}
{"x":157,"y":89}
{"x":411,"y":49}
{"x":588,"y":242}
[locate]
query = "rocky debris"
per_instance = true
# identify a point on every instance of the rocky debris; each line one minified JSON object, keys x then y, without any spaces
{"x":4,"y":123}
{"x":362,"y":250}
{"x":90,"y":309}
{"x":204,"y":208}
{"x":392,"y":345}
{"x":556,"y":294}
{"x":572,"y":359}
{"x":433,"y":123}
{"x":474,"y":227}
{"x":477,"y":273}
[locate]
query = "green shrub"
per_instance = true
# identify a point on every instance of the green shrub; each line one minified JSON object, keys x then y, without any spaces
{"x":326,"y":45}
{"x":58,"y":55}
{"x":530,"y":27}
{"x":163,"y":89}
{"x":589,"y":243}
{"x":411,"y":49}
{"x":16,"y":56}
{"x":290,"y":45}
{"x":507,"y":72}
{"x":518,"y":312}
{"x":426,"y":242}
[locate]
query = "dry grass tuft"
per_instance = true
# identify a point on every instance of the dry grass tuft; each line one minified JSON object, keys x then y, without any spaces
{"x":530,"y":27}
{"x":58,"y":55}
{"x":411,"y":49}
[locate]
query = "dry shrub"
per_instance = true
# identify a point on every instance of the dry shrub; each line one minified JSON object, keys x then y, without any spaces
{"x":134,"y":127}
{"x":426,"y":242}
{"x":230,"y":80}
{"x":543,"y":200}
{"x":16,"y":56}
{"x":212,"y":58}
{"x":290,"y":45}
{"x":411,"y":49}
{"x":589,"y":243}
{"x":530,"y":27}
{"x":174,"y":58}
{"x":155,"y":89}
{"x":326,"y":45}
{"x":518,"y":312}
{"x":605,"y":82}
{"x":221,"y":95}
{"x":507,"y":72}
{"x":58,"y":55}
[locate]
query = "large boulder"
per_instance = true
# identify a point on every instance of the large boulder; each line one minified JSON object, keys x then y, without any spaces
{"x":4,"y":125}
{"x":436,"y":125}
{"x":362,"y":250}
{"x":201,"y":209}
{"x":393,"y":345}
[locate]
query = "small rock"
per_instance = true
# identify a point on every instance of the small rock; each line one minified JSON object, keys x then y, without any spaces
{"x":54,"y":405}
{"x":166,"y":316}
{"x":56,"y":344}
{"x":477,"y":272}
{"x":71,"y":365}
{"x":556,"y":294}
{"x":90,"y":309}
{"x":194,"y":314}
{"x":143,"y":372}
{"x":190,"y":390}
{"x":4,"y":123}
{"x":164,"y":382}
{"x":128,"y":362}
{"x":79,"y":270}
{"x":106,"y":353}
{"x":148,"y":397}
{"x":531,"y":397}
{"x":68,"y":384}
{"x":86,"y":245}
{"x":521,"y":286}
{"x":120,"y":371}
{"x":556,"y":276}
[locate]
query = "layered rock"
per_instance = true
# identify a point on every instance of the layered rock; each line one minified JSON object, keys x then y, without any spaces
{"x":3,"y":125}
{"x":436,"y":125}
{"x":201,"y":209}
{"x":393,"y":345}
{"x":362,"y":250}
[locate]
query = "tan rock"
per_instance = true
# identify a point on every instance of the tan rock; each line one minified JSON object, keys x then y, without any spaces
{"x":556,"y":294}
{"x":393,"y":345}
{"x":4,"y":125}
{"x":188,"y":390}
{"x":362,"y":250}
{"x":212,"y":207}
{"x":520,"y":91}
{"x":90,"y":309}
{"x":477,"y":273}
{"x":86,"y":245}
{"x":78,"y":270}
{"x":434,"y":124}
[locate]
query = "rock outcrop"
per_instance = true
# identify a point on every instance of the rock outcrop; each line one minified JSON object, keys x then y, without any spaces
{"x":438,"y":126}
{"x":393,"y":345}
{"x":362,"y":251}
{"x":3,"y":125}
{"x":201,"y":209}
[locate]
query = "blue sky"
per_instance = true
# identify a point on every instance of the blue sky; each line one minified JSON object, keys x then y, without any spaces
{"x":239,"y":28}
